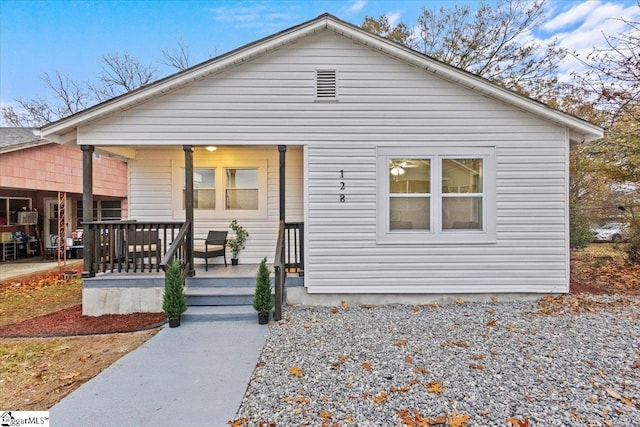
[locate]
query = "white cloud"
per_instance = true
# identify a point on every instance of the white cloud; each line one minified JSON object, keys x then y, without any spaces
{"x":394,"y":17}
{"x":570,"y":16}
{"x":258,"y":15}
{"x":582,"y":27}
{"x":357,"y":6}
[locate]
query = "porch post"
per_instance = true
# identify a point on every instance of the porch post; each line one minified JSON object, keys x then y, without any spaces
{"x":188,"y":205}
{"x":282,"y":149}
{"x":88,"y":239}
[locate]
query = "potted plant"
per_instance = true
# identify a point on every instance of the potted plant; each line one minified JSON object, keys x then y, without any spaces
{"x":236,"y":243}
{"x":174,"y":301}
{"x":262,"y":301}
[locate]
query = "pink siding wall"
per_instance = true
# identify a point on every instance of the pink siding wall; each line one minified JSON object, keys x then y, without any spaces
{"x":53,"y":167}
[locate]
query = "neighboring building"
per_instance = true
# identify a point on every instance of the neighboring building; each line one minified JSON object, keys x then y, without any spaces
{"x":34,"y":173}
{"x":412,"y":177}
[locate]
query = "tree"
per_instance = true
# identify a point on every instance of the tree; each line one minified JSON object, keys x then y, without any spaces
{"x":382,"y":27}
{"x":614,"y":80}
{"x":120,"y":73}
{"x":490,"y":42}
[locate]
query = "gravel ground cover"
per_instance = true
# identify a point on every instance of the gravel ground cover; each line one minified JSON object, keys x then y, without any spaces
{"x":467,"y":364}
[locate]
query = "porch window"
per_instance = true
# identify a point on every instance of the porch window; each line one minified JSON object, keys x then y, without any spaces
{"x":103,"y":210}
{"x":241,"y":189}
{"x":436,"y":195}
{"x":204,"y":189}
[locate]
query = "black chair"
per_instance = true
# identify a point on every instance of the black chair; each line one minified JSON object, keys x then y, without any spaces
{"x":214,"y":245}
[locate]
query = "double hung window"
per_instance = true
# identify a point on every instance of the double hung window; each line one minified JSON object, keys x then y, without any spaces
{"x":436,"y":195}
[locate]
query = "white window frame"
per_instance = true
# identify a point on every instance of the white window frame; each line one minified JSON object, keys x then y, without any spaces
{"x":220,"y":212}
{"x":436,"y":235}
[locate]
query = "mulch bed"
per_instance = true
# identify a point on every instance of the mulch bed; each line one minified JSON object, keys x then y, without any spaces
{"x":71,"y":322}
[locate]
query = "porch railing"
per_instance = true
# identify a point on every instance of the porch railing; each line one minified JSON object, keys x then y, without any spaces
{"x":177,"y":250}
{"x":294,"y":247}
{"x":128,"y":246}
{"x":279,"y":272}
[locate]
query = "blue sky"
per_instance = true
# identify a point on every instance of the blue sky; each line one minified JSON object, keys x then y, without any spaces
{"x":38,"y":36}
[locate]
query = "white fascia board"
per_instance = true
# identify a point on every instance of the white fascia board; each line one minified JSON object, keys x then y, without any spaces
{"x":584,"y":131}
{"x":131,"y":99}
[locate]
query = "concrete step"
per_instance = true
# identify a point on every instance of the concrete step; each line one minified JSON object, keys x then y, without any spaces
{"x":223,"y":282}
{"x":219,"y":313}
{"x":217,"y":296}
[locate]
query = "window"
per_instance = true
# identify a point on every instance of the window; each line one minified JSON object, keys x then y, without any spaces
{"x":204,"y":189}
{"x":241,"y":189}
{"x":436,"y":195}
{"x":224,"y":189}
{"x":103,"y":210}
{"x":10,"y":207}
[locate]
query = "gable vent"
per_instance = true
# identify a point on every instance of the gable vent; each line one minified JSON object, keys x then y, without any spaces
{"x":326,"y":84}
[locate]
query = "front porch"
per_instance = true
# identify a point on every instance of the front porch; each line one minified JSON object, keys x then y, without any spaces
{"x":126,"y":271}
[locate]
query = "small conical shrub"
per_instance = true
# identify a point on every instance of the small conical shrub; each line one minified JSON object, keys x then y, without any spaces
{"x":262,"y":301}
{"x":174,"y":301}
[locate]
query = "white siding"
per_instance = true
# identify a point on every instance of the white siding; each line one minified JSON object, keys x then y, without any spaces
{"x":156,"y":181}
{"x":382,"y":101}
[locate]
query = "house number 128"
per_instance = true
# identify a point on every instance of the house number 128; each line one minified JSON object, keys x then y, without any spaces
{"x":342,"y":187}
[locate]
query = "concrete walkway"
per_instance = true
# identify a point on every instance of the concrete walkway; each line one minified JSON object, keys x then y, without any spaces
{"x":194,"y":375}
{"x":14,"y":270}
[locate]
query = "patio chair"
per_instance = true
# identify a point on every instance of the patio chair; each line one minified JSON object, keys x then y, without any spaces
{"x":143,"y":244}
{"x":214,"y":245}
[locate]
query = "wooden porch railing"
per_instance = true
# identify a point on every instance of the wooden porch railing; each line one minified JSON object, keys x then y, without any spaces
{"x":279,"y":272}
{"x":177,"y":249}
{"x":129,"y":246}
{"x":294,"y":248}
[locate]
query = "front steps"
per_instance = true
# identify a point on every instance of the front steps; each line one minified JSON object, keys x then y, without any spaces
{"x":223,"y":298}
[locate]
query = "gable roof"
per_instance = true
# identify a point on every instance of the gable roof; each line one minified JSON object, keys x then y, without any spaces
{"x":580,"y":130}
{"x":14,"y":138}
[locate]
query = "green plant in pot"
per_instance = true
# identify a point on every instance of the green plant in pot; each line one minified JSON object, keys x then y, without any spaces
{"x":262,"y":300}
{"x":174,"y":301}
{"x":236,"y":243}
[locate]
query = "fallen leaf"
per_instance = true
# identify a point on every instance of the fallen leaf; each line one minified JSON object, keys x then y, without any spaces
{"x":457,"y":420}
{"x":421,"y":370}
{"x":435,"y":305}
{"x":435,"y":387}
{"x":367,"y":307}
{"x":326,"y":415}
{"x":70,"y":376}
{"x":518,"y":423}
{"x":402,"y":389}
{"x":619,"y":397}
{"x":492,"y":323}
{"x":85,"y":357}
{"x":459,"y":301}
{"x":477,"y":357}
{"x":344,"y":304}
{"x":408,"y":359}
{"x":295,"y":371}
{"x":380,"y":398}
{"x":401,"y":343}
{"x":334,"y":310}
{"x":494,"y":299}
{"x":414,"y":419}
{"x":415,"y":309}
{"x":477,"y":367}
{"x":343,"y":357}
{"x":240,"y":422}
{"x":485,"y":412}
{"x":302,"y":399}
{"x":367,"y":366}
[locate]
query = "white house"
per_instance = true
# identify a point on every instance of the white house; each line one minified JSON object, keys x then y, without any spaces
{"x":412,"y":178}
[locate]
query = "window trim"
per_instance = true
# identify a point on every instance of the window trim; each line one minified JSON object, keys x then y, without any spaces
{"x":436,"y":235}
{"x":220,"y":212}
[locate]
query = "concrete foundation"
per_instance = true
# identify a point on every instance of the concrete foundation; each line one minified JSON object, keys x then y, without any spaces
{"x":300,"y":296}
